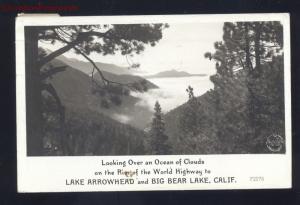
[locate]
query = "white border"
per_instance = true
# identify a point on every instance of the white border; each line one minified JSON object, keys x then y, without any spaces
{"x":48,"y":174}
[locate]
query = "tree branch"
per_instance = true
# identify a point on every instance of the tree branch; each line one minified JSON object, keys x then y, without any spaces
{"x":101,"y":73}
{"x":56,"y":53}
{"x":80,"y":36}
{"x":52,"y":71}
{"x":94,"y":33}
{"x":105,"y":80}
{"x":241,"y":62}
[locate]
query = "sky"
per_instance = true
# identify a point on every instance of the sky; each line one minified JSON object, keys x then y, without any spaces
{"x":182,"y":47}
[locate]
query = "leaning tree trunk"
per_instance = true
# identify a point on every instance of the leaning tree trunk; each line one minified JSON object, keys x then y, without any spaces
{"x":34,"y":122}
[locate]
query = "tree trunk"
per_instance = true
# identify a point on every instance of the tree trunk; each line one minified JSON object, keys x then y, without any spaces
{"x":34,"y":121}
{"x":250,"y":81}
{"x":247,"y":48}
{"x":257,"y":46}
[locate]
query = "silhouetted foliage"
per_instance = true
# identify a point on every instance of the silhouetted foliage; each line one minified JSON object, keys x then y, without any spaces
{"x":247,"y":103}
{"x":248,"y":61}
{"x":158,"y":138}
{"x":83,"y":39}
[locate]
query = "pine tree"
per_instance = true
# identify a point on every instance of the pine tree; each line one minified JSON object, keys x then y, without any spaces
{"x":243,"y":91}
{"x":159,"y":139}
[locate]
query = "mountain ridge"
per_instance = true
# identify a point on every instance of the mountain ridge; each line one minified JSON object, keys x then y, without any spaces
{"x":172,"y":73}
{"x":86,"y":67}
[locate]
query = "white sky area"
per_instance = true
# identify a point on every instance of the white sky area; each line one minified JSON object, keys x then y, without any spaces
{"x":182,"y":47}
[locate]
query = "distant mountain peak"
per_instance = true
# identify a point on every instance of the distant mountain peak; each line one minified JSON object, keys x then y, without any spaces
{"x":173,"y":73}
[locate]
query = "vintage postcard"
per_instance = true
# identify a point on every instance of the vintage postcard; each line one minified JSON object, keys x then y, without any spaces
{"x":174,"y":102}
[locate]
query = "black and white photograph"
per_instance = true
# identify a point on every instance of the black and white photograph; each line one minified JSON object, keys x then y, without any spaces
{"x":155,"y":89}
{"x":153,"y":102}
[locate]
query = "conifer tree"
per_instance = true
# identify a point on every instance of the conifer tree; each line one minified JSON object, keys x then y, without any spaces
{"x":242,"y":93}
{"x":159,"y":139}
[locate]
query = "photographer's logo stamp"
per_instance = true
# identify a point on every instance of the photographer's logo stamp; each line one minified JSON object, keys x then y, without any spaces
{"x":274,"y":143}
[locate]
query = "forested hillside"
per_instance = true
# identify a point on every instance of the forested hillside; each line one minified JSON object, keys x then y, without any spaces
{"x":76,"y":89}
{"x":246,"y":106}
{"x":89,"y":133}
{"x":223,"y":123}
{"x":70,"y":112}
{"x":88,"y":129}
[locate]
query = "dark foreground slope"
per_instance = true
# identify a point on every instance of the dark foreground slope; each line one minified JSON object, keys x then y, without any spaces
{"x":89,"y":128}
{"x":92,"y":133}
{"x":206,"y":141}
{"x":241,"y":115}
{"x":75,"y":89}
